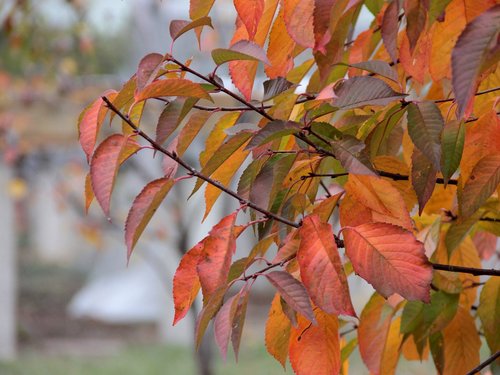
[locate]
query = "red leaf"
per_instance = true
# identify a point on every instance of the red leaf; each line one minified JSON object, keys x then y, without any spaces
{"x":469,"y":53}
{"x":186,"y":282}
{"x":416,"y":14}
{"x":423,"y":178}
{"x":143,"y":209}
{"x":223,"y":323}
{"x":293,"y":292}
{"x":321,"y":269}
{"x":250,"y":13}
{"x":179,"y":27}
{"x":215,"y":261}
{"x":172,"y":87}
{"x":316,"y":349}
{"x":147,"y":69}
{"x":390,"y":258}
{"x":108,"y":157}
{"x":90,"y":122}
{"x":239,"y":319}
{"x":171,"y":117}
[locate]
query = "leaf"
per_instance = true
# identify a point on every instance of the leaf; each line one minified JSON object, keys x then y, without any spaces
{"x":90,"y":122}
{"x":469,"y":54}
{"x":360,"y":91}
{"x":452,"y":146}
{"x":89,"y":193}
{"x":482,"y":182}
{"x":321,"y":269}
{"x":378,"y":67}
{"x":274,"y":87}
{"x":218,"y":135}
{"x":389,"y":258}
{"x":108,"y":157}
{"x":416,"y":14}
{"x":223,"y":153}
{"x":374,"y":324}
{"x":392,"y":348}
{"x":186,"y":282}
{"x":143,"y":209}
{"x":423,"y":178}
{"x":299,"y":16}
{"x":215,"y":261}
{"x":315,"y":349}
{"x":180,"y":27}
{"x":250,"y":13}
{"x":293,"y":292}
{"x":172,"y":87}
{"x":273,"y":130}
{"x":350,"y":152}
{"x":239,"y":319}
{"x":381,"y":198}
{"x":241,"y":50}
{"x":489,"y":312}
{"x":459,"y":229}
{"x":278,"y":328}
{"x":326,"y":207}
{"x":425,"y":125}
{"x":223,"y":323}
{"x":147,"y":69}
{"x":191,"y":130}
{"x":210,"y":308}
{"x":280,"y":50}
{"x":461,"y":344}
{"x":389,"y":29}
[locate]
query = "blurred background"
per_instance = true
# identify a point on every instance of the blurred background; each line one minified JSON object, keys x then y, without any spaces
{"x":68,"y":302}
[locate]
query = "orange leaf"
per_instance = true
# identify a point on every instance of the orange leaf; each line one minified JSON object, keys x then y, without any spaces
{"x":215,"y":259}
{"x":299,"y":16}
{"x":321,"y":269}
{"x":250,"y":13}
{"x":390,"y":258}
{"x":392,"y":348}
{"x":186,"y":282}
{"x":315,"y":349}
{"x":143,"y":209}
{"x":383,"y":199}
{"x":89,"y":193}
{"x":277,"y":331}
{"x":279,"y":50}
{"x":172,"y":87}
{"x":461,"y":344}
{"x":373,"y":330}
{"x":107,"y":158}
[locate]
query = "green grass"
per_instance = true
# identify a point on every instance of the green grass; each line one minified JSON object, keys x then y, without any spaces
{"x":150,"y":360}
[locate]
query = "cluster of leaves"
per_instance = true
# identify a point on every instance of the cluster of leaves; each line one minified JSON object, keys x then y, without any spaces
{"x":403,"y":116}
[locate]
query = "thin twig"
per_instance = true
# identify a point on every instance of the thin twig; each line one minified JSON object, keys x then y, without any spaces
{"x":393,"y":176}
{"x":476,"y":94}
{"x":484,"y":364}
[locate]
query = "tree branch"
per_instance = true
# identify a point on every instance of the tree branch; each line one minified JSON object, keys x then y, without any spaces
{"x":472,"y":271}
{"x":393,"y":176}
{"x":482,"y":365}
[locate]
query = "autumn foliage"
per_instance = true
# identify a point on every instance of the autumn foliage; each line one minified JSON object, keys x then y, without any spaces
{"x":375,"y":157}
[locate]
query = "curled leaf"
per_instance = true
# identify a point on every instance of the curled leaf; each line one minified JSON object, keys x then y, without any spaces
{"x":241,"y":50}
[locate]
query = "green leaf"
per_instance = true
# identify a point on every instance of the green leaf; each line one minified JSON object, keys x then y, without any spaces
{"x":242,"y":50}
{"x":489,"y":312}
{"x":350,"y":152}
{"x":452,"y":145}
{"x":274,"y":87}
{"x":425,"y":124}
{"x":179,"y":27}
{"x":360,"y":91}
{"x":470,"y":52}
{"x":482,"y":182}
{"x":458,"y":231}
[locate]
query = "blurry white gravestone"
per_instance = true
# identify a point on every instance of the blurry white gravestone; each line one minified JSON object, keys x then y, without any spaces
{"x":8,"y":272}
